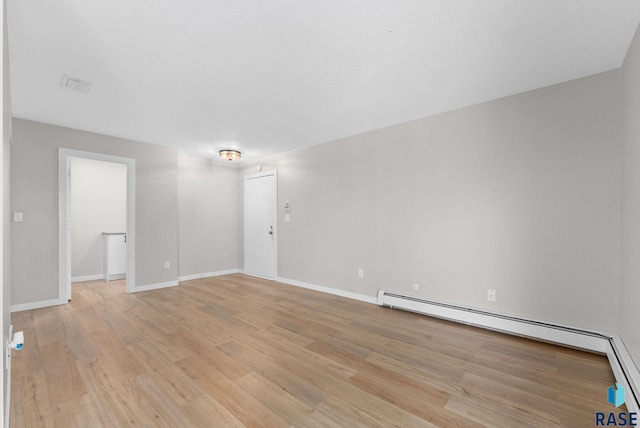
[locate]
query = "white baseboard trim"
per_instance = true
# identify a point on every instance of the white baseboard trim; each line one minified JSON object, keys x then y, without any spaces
{"x":625,"y":371}
{"x":207,"y":274}
{"x":115,"y":277}
{"x":328,"y":290}
{"x":157,"y":286}
{"x":87,"y":278}
{"x":622,"y":365}
{"x":34,"y":305}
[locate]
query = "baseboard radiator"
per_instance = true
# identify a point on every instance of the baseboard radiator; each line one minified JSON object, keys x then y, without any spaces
{"x":622,"y":364}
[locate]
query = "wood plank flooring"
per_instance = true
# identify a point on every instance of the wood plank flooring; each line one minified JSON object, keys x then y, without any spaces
{"x":241,"y":351}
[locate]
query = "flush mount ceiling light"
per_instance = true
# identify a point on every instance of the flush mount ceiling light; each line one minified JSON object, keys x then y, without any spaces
{"x":230,"y":154}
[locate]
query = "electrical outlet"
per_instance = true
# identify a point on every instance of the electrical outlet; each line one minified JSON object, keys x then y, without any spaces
{"x":360,"y":273}
{"x":167,"y":265}
{"x":491,"y":295}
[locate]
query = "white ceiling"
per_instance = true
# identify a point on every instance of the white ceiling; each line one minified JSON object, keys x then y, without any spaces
{"x":274,"y":75}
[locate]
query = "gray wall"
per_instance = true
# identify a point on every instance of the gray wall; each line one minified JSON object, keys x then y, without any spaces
{"x":98,"y":204}
{"x":208,"y":216}
{"x":630,"y":272}
{"x":521,"y":195}
{"x":34,"y":190}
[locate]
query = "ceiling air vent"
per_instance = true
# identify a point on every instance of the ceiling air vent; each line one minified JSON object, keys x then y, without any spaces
{"x":74,"y":84}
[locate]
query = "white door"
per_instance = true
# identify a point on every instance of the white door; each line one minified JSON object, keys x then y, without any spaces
{"x":260,"y":226}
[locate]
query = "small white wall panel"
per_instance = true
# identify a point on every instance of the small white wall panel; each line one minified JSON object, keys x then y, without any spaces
{"x":114,"y":255}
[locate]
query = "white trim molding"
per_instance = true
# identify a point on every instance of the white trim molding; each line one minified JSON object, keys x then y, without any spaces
{"x":87,"y":278}
{"x":207,"y":274}
{"x":329,"y":290}
{"x":34,"y":305}
{"x":156,"y":286}
{"x":64,"y":246}
{"x":625,"y":371}
{"x":622,"y":365}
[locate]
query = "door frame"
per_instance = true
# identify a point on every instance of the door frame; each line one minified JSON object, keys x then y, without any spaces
{"x":275,"y":222}
{"x":64,"y":242}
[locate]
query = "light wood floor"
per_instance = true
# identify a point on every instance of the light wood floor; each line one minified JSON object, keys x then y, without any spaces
{"x":240,"y":351}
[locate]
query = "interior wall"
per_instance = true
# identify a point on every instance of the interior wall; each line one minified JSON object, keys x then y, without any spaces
{"x":208,"y":216}
{"x":630,"y":258}
{"x":34,"y":181}
{"x":520,"y":195}
{"x":6,"y":208}
{"x":98,"y":204}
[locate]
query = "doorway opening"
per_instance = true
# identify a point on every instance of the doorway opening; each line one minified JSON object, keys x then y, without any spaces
{"x":65,"y":177}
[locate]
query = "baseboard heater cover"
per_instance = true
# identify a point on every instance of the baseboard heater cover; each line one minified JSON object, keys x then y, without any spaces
{"x":624,"y":369}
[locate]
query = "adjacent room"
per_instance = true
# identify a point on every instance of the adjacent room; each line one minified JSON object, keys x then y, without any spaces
{"x":340,"y":213}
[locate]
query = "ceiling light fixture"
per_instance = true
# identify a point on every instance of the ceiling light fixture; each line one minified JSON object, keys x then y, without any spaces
{"x":230,"y":154}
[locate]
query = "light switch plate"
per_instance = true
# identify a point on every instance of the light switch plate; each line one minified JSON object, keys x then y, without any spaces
{"x":18,"y":216}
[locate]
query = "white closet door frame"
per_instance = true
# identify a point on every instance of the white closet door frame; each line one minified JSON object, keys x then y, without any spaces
{"x":64,"y":241}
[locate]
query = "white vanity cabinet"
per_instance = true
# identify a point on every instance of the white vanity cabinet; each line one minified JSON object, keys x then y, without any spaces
{"x":114,"y":255}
